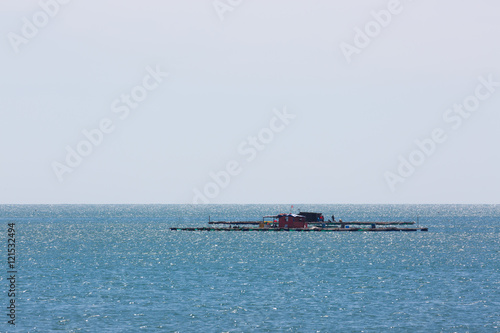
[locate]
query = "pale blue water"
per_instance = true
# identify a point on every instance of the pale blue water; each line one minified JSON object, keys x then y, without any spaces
{"x":119,"y":268}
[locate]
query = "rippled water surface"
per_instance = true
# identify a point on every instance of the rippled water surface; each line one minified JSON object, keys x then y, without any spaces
{"x":118,"y":268}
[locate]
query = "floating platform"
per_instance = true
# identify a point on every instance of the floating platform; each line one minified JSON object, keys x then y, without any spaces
{"x":314,"y":229}
{"x":235,"y":222}
{"x":315,"y":223}
{"x":304,"y":222}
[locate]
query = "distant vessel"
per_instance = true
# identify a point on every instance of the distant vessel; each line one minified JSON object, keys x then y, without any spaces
{"x":303,"y":221}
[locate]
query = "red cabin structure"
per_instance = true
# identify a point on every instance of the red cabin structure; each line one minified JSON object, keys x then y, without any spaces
{"x":291,"y":221}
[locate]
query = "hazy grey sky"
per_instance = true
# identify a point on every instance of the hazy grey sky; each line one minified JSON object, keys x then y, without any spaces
{"x":264,"y":102}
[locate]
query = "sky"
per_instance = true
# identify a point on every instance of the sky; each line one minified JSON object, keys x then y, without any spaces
{"x":236,"y":101}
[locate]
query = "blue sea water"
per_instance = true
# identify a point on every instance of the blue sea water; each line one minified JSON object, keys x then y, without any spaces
{"x":119,"y":268}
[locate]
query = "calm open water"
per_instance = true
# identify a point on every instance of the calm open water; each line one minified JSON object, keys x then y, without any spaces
{"x":118,"y":268}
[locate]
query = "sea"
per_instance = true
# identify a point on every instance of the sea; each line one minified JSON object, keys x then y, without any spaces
{"x":119,"y":268}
